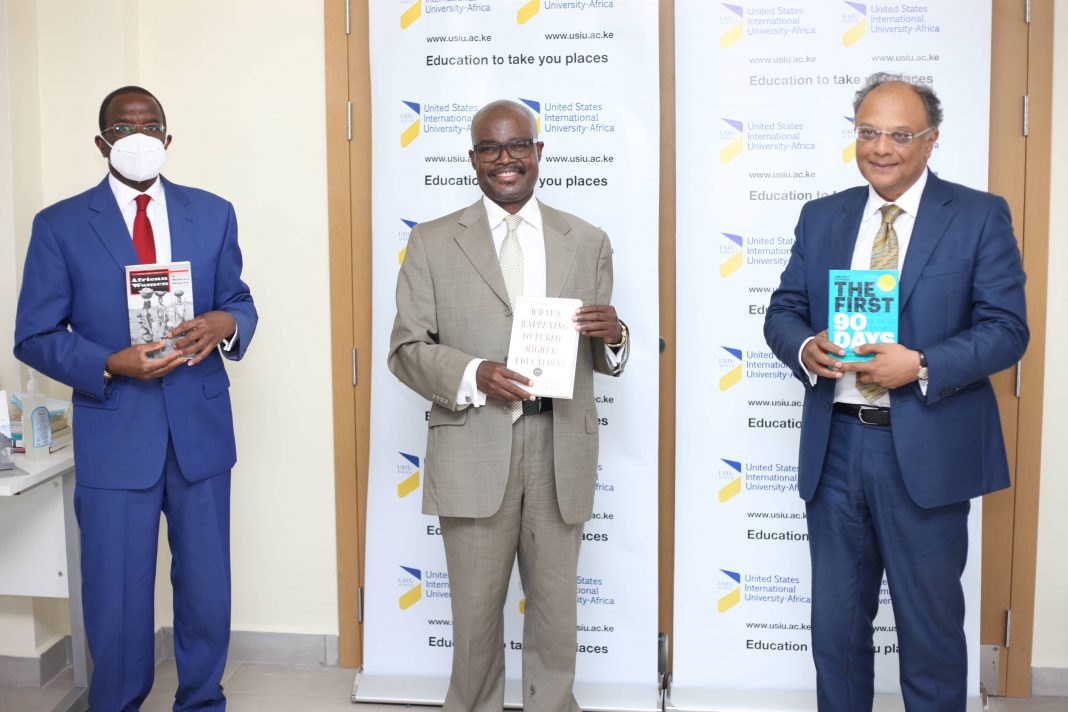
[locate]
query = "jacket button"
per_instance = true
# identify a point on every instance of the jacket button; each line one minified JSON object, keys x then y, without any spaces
{"x":508,"y":313}
{"x":827,"y":407}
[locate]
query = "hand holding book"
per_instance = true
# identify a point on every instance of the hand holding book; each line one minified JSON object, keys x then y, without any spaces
{"x":199,"y":336}
{"x":893,"y":365}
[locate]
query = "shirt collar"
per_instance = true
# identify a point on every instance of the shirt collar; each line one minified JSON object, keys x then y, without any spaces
{"x":530,"y":212}
{"x":909,"y":201}
{"x":125,"y":195}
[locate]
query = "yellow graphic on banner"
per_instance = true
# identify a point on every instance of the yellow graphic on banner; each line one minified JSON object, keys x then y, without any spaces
{"x":730,"y":490}
{"x":854,"y":33}
{"x":732,"y":378}
{"x":409,"y":484}
{"x":410,"y":134}
{"x":731,"y":36}
{"x":522,"y":606}
{"x":411,"y":14}
{"x":731,"y":265}
{"x":527,"y":11}
{"x":401,"y":254}
{"x":729,"y":601}
{"x":411,"y":597}
{"x":732,"y":150}
{"x":849,"y":153}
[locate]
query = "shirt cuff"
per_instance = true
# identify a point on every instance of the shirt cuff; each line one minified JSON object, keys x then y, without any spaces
{"x":614,"y":355}
{"x":229,"y":344}
{"x":811,"y":377}
{"x":468,"y":393}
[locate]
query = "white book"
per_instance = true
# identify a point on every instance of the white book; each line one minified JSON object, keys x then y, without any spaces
{"x":160,"y":297}
{"x":544,"y":345}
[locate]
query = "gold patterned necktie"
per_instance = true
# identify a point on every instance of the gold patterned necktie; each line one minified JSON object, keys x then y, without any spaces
{"x":511,"y":259}
{"x":883,"y":257}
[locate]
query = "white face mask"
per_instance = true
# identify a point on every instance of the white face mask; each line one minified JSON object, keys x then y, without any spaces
{"x":137,"y":157}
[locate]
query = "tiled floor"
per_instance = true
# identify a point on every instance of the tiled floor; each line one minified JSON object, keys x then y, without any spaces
{"x":305,"y":688}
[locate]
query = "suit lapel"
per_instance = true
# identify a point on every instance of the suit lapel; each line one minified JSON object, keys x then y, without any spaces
{"x":477,"y":243}
{"x":932,"y":218}
{"x":180,"y":220}
{"x":109,"y":226}
{"x":844,"y":231}
{"x":559,"y":251}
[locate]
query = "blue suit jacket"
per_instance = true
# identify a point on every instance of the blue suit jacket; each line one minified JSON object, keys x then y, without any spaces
{"x":961,"y":303}
{"x":72,"y":314}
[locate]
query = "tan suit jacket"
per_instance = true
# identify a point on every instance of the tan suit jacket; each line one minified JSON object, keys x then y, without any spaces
{"x":452,"y":306}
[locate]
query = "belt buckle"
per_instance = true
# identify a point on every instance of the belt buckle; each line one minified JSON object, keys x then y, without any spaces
{"x":532,"y":407}
{"x":860,"y":413}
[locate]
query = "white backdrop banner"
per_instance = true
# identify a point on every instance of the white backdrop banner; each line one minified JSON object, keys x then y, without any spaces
{"x":765,"y":93}
{"x":588,"y":71}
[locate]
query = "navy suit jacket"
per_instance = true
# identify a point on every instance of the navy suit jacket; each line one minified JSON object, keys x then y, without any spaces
{"x":961,"y":303}
{"x":72,"y":314}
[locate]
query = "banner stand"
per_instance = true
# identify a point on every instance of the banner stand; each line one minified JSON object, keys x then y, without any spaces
{"x":696,"y":699}
{"x":386,"y":689}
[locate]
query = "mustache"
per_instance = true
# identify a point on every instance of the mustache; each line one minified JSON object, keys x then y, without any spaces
{"x":518,"y":167}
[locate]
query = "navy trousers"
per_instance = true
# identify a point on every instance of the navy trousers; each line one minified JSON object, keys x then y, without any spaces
{"x":862,"y":521}
{"x":119,"y":535}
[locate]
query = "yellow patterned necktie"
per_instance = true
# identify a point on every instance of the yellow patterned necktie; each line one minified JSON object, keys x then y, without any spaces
{"x":883,"y":257}
{"x":511,"y":259}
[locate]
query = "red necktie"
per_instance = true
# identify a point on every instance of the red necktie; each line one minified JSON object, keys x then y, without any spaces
{"x":144,"y":241}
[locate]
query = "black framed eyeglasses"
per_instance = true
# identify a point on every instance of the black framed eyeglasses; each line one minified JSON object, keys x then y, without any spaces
{"x":901,"y":138}
{"x":517,"y":148}
{"x":124,"y":130}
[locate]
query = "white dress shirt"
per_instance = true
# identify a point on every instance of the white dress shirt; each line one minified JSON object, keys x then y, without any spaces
{"x":126,"y":197}
{"x":532,"y":241}
{"x":845,"y":389}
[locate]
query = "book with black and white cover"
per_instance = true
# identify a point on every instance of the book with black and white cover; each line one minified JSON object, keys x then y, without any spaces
{"x":159,"y":297}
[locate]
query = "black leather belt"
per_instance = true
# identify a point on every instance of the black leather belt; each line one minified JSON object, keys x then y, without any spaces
{"x":538,"y":405}
{"x":867,"y":414}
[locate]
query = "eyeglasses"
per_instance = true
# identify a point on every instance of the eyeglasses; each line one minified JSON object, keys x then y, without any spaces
{"x":517,"y":148}
{"x":123,"y":130}
{"x":901,"y":138}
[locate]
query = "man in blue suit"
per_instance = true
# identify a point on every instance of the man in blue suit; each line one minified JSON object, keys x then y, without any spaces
{"x":893,"y":449}
{"x":150,"y":435}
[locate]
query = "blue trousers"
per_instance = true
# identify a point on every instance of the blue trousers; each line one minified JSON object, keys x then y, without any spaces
{"x":119,"y":535}
{"x":862,"y":521}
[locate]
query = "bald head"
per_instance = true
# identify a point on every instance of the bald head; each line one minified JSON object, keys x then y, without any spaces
{"x":503,"y":107}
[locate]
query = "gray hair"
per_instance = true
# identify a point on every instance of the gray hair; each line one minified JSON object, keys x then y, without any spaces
{"x":931,"y":104}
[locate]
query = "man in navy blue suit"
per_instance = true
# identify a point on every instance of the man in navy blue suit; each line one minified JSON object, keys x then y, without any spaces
{"x":893,"y":449}
{"x":151,"y":435}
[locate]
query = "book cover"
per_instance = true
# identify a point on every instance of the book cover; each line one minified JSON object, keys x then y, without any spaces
{"x":862,"y":309}
{"x":544,"y":344}
{"x":160,"y":297}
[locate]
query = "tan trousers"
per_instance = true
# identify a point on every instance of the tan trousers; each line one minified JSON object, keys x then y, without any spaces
{"x":480,"y":554}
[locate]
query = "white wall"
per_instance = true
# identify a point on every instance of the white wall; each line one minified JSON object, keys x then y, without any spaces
{"x":244,"y":90}
{"x":1051,"y":593}
{"x":242,"y":83}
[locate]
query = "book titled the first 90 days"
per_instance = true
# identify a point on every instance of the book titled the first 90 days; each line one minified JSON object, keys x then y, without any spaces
{"x":159,"y":297}
{"x":862,"y":309}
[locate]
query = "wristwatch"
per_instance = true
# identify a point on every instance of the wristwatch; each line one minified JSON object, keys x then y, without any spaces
{"x":922,"y":373}
{"x":622,"y":337}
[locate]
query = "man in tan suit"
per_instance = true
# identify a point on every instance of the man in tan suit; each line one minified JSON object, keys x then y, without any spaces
{"x":504,"y":481}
